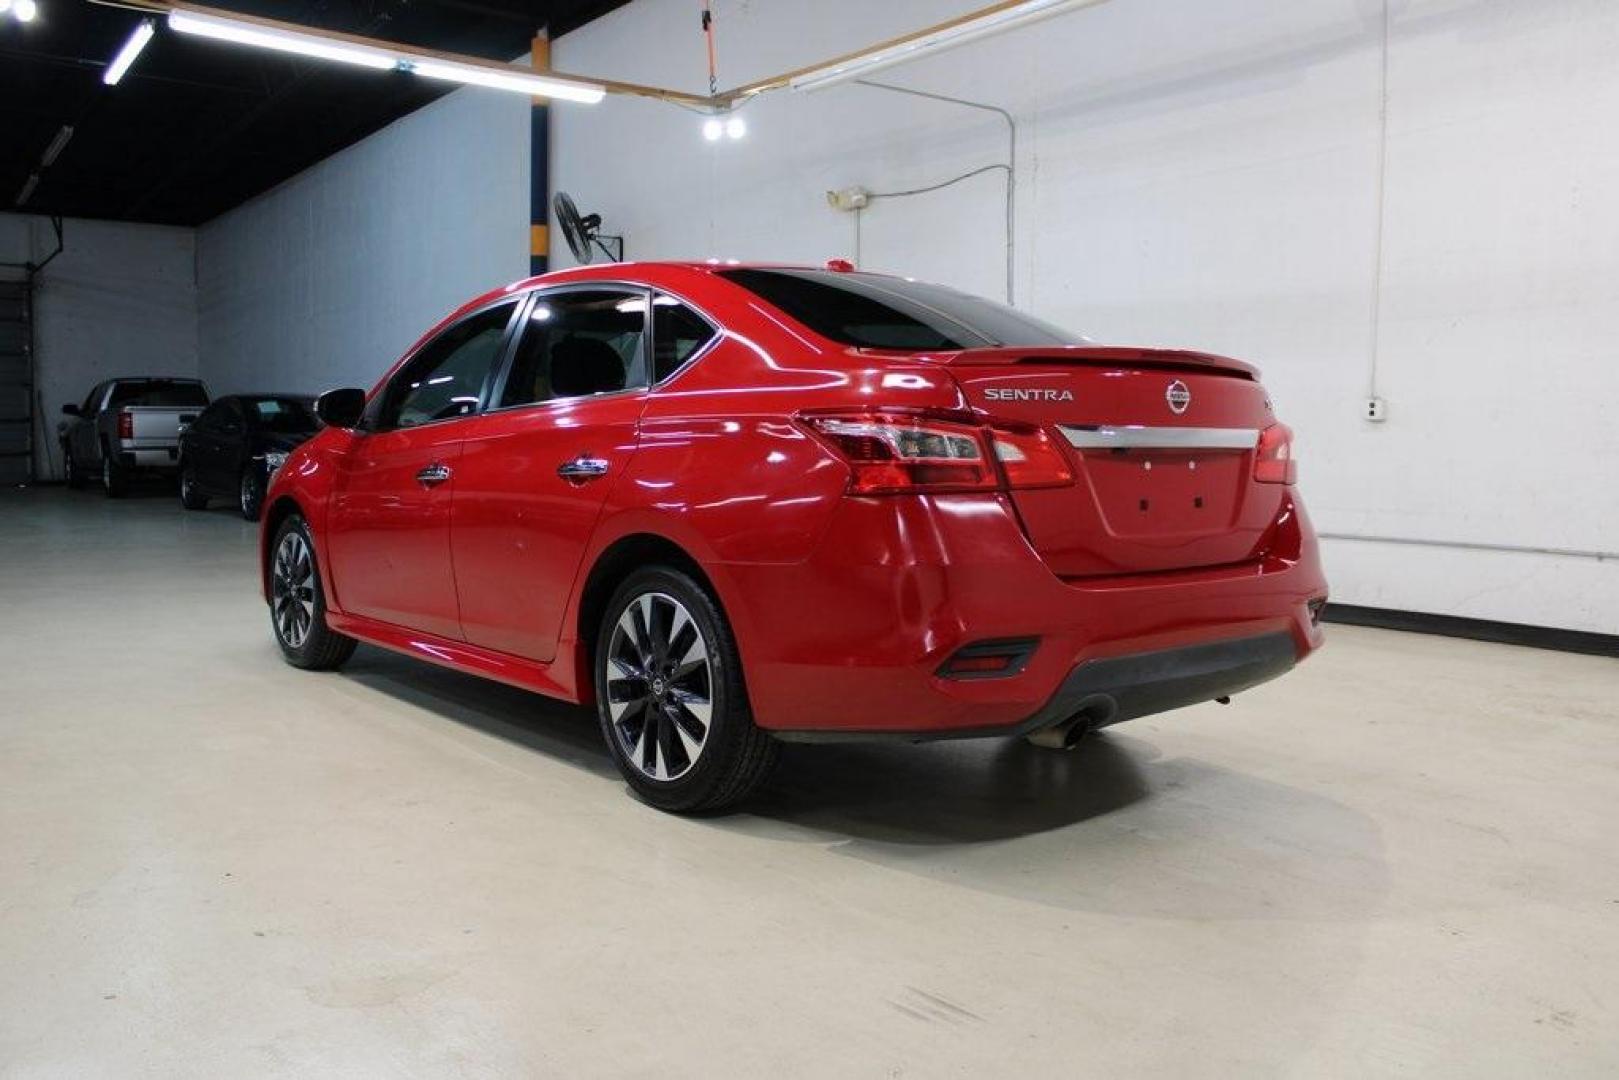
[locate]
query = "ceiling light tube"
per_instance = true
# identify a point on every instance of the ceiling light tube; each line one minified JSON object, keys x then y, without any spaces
{"x":266,"y":37}
{"x":532,"y":85}
{"x":27,"y":188}
{"x":56,"y":146}
{"x":126,"y":56}
{"x":998,"y":20}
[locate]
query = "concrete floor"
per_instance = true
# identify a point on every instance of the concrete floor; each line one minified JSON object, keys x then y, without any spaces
{"x":1401,"y":860}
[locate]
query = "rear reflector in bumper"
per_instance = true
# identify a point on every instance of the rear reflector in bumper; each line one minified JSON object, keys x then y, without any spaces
{"x":989,"y":659}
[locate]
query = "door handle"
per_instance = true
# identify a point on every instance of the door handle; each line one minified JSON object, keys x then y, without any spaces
{"x":582,"y":468}
{"x":433,"y":475}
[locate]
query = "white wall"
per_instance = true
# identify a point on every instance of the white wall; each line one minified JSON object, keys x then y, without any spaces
{"x":325,"y":280}
{"x":121,"y":299}
{"x":1209,"y":175}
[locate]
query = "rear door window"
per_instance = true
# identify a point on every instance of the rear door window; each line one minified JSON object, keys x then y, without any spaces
{"x":579,"y":342}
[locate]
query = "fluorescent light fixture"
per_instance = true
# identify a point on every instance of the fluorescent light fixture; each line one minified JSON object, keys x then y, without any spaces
{"x":28,"y":187}
{"x":126,"y":56}
{"x":948,"y":37}
{"x":532,"y":85}
{"x":56,"y":146}
{"x":266,"y":37}
{"x":260,"y":35}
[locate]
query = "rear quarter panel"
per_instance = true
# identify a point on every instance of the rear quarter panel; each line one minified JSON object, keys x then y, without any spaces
{"x":724,"y":471}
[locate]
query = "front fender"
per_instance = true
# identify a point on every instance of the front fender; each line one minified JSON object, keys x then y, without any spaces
{"x":304,"y":485}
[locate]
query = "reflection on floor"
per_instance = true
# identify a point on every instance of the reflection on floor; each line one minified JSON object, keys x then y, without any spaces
{"x":1397,"y":861}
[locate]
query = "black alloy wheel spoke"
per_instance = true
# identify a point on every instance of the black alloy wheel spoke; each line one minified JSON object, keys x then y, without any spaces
{"x":659,"y":686}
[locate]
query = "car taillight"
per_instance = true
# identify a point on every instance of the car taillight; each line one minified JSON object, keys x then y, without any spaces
{"x":126,"y":425}
{"x":894,"y":452}
{"x":1030,"y":459}
{"x":899,"y":452}
{"x":1273,"y":460}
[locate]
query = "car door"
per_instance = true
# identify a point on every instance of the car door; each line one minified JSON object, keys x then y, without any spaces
{"x":217,"y":467}
{"x":197,"y":442}
{"x":83,"y":434}
{"x":536,"y":468}
{"x":388,"y":527}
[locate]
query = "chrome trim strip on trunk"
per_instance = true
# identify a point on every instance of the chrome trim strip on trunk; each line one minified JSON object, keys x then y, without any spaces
{"x":1136,"y":436}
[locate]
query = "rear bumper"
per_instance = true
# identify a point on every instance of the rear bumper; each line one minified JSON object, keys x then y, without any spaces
{"x":1118,"y":688}
{"x":165,"y":457}
{"x":851,"y":643}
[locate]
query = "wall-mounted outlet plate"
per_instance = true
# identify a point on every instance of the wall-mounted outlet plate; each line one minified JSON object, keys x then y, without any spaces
{"x":1377,"y":410}
{"x":849,"y":198}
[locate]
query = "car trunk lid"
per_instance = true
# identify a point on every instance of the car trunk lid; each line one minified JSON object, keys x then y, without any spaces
{"x":1162,"y":443}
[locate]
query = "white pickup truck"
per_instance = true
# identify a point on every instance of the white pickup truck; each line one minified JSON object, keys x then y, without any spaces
{"x":126,"y":426}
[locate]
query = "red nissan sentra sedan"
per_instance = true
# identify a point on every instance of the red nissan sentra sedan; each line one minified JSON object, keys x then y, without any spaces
{"x":730,"y":505}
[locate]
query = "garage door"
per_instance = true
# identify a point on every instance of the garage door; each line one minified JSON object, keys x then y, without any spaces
{"x":16,"y":385}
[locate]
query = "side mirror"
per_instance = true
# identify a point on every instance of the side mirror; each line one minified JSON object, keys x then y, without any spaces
{"x":340,"y":408}
{"x":71,"y":409}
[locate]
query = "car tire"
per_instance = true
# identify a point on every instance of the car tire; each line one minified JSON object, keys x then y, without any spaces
{"x":671,"y":700}
{"x":72,"y":475}
{"x":250,"y":493}
{"x":298,"y":603}
{"x":191,"y":496}
{"x":114,"y":481}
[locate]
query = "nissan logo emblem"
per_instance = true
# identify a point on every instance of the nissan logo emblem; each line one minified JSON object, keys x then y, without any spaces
{"x":1178,"y":396}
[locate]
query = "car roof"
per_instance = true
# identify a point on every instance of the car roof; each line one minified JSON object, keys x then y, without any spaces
{"x":612,"y":271}
{"x":707,"y":266}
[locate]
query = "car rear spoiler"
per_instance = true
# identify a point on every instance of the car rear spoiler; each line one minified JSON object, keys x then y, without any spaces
{"x":1096,"y":355}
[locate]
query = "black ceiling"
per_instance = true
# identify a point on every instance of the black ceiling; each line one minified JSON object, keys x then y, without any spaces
{"x":198,"y":127}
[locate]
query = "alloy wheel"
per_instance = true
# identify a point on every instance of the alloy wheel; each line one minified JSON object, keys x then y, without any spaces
{"x":660,"y":686}
{"x":250,"y":495}
{"x":292,"y":590}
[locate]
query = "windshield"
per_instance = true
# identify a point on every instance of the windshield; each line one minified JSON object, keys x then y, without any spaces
{"x":873,"y":311}
{"x":159,"y":392}
{"x":282,"y":415}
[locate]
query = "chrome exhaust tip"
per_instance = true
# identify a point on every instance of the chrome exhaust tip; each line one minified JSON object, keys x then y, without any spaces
{"x":1095,"y":712}
{"x":1064,"y":736}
